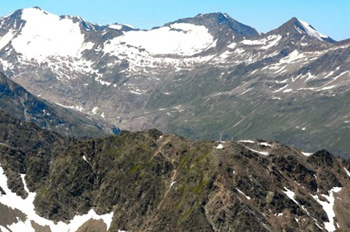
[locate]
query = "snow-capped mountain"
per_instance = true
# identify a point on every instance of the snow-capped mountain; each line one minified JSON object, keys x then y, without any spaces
{"x":199,"y":77}
{"x":309,"y":30}
{"x":296,"y":26}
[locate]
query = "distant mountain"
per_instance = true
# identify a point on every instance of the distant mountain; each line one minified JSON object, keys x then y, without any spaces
{"x":222,"y":27}
{"x":199,"y":77}
{"x":150,"y":181}
{"x":297,"y":27}
{"x":15,"y":100}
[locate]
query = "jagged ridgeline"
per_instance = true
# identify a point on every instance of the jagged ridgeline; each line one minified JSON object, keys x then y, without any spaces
{"x":150,"y":181}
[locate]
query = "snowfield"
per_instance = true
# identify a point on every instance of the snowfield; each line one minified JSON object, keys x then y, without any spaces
{"x":179,"y":38}
{"x":33,"y":43}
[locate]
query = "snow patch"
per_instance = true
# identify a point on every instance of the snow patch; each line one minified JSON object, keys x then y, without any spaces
{"x":347,"y":171}
{"x":273,"y":41}
{"x":243,"y":194}
{"x":327,"y":88}
{"x":279,"y":90}
{"x":26,"y":206}
{"x":98,"y":79}
{"x":232,"y":45}
{"x":306,"y":153}
{"x":3,"y":229}
{"x":135,"y":92}
{"x":265,"y":144}
{"x":220,"y":146}
{"x":79,"y":108}
{"x":259,"y":152}
{"x":328,"y":207}
{"x":46,"y":34}
{"x":172,"y":183}
{"x":312,"y":32}
{"x":179,"y":38}
{"x":290,"y":194}
{"x":295,"y":55}
{"x":267,"y":43}
{"x":287,"y":90}
{"x":94,"y":110}
{"x":246,"y":141}
{"x":24,"y":183}
{"x":6,"y":39}
{"x":115,"y":26}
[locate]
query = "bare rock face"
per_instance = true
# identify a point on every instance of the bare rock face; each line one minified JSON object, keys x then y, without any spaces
{"x":93,"y":226}
{"x":150,"y":181}
{"x":10,"y":216}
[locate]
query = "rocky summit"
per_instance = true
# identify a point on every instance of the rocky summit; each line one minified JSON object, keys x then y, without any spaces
{"x":150,"y":181}
{"x":200,"y":77}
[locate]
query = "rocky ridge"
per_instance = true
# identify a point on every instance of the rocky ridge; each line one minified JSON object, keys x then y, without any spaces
{"x":150,"y":181}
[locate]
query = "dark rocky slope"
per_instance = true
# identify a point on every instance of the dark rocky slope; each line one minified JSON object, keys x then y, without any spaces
{"x":23,"y":105}
{"x":159,"y":182}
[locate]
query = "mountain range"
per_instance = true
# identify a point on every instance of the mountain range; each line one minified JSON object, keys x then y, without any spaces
{"x":203,"y":77}
{"x":256,"y":126}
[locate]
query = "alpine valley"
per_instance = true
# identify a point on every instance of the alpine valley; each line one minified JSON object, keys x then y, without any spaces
{"x":73,"y":92}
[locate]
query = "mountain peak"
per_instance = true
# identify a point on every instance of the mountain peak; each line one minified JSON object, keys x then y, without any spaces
{"x":219,"y":18}
{"x":297,"y":26}
{"x":32,"y":13}
{"x":34,"y":9}
{"x":311,"y":31}
{"x":221,"y":23}
{"x":17,"y":14}
{"x":214,"y":14}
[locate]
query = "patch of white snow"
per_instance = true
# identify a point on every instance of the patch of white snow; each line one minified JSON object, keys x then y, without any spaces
{"x":220,"y":146}
{"x":246,"y":141}
{"x":347,"y":171}
{"x":179,"y":38}
{"x":26,"y":206}
{"x":306,"y":153}
{"x":243,"y":194}
{"x":312,"y":32}
{"x":45,"y":35}
{"x":328,"y":207}
{"x":94,"y":110}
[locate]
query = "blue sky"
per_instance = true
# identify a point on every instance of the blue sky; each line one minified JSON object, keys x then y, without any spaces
{"x":329,"y":17}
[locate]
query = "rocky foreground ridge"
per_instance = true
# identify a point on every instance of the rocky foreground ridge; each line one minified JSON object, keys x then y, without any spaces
{"x":150,"y":181}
